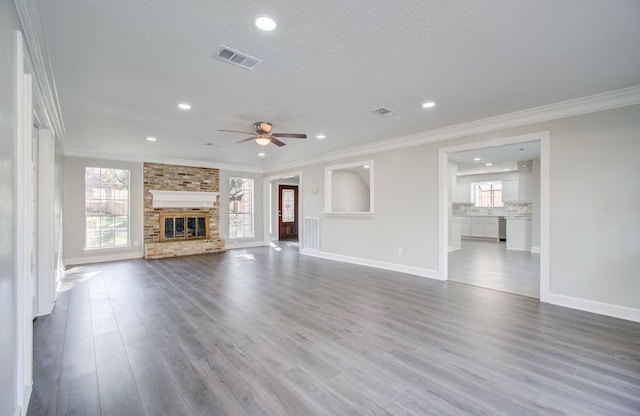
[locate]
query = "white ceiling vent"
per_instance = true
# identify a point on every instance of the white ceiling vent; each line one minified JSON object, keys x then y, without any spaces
{"x":237,"y":58}
{"x":384,"y":112}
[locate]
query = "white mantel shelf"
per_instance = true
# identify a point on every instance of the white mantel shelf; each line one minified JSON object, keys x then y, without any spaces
{"x":183,"y":199}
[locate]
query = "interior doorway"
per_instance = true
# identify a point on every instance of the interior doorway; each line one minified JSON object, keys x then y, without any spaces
{"x":483,"y":260}
{"x":288,"y":212}
{"x":287,"y":186}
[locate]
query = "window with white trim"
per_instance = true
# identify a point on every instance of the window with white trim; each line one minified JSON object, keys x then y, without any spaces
{"x":487,"y":194}
{"x":106,"y":201}
{"x":241,"y":208}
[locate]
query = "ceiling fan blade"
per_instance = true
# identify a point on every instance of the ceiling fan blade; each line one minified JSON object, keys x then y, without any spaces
{"x":246,"y":140}
{"x":277,"y":142}
{"x":236,"y":131}
{"x":290,"y":135}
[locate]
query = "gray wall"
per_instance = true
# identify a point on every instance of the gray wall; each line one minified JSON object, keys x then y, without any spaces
{"x":73,"y":215}
{"x":8,"y":278}
{"x":594,"y":200}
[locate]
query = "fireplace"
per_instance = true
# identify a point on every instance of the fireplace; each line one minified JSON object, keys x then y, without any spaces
{"x":181,"y":211}
{"x":180,"y":226}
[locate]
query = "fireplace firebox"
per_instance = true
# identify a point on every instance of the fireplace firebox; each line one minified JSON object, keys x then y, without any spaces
{"x":177,"y":226}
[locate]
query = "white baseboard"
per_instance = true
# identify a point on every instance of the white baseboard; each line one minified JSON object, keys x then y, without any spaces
{"x":616,"y":311}
{"x":230,"y":244}
{"x":452,"y":248}
{"x":418,"y":271}
{"x":103,"y":258}
{"x":535,"y":250}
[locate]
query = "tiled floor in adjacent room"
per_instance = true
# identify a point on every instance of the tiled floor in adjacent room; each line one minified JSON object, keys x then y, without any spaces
{"x":487,"y":263}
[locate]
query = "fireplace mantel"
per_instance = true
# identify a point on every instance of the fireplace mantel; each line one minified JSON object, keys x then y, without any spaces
{"x":183,"y":199}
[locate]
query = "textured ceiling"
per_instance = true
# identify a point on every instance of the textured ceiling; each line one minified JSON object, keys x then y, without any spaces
{"x":121,"y":67}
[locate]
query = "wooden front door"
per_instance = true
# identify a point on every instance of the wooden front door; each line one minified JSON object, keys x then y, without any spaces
{"x":288,"y":212}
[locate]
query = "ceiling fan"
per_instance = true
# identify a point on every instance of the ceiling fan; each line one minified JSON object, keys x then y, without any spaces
{"x":263,"y":135}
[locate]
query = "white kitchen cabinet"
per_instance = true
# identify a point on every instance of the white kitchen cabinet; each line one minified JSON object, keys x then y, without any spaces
{"x":519,"y":233}
{"x":486,"y":227}
{"x":462,"y":193}
{"x":465,"y":226}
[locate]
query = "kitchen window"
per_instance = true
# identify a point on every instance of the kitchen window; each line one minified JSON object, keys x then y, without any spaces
{"x":487,"y":194}
{"x":241,"y":208}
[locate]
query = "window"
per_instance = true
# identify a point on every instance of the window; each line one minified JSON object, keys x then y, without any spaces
{"x":488,"y":194}
{"x":240,"y":208}
{"x":106,"y":200}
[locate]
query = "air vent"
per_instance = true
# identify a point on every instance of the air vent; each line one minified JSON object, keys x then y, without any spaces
{"x":384,"y":112}
{"x":237,"y":58}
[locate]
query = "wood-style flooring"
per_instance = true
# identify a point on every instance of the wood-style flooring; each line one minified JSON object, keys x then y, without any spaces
{"x":266,"y":331}
{"x":488,"y":263}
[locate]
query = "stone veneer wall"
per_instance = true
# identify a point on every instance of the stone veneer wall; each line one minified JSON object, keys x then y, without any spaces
{"x":179,"y":178}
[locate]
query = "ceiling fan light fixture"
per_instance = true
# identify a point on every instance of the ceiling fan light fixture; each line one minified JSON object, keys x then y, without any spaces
{"x":263,"y":139}
{"x":263,"y":127}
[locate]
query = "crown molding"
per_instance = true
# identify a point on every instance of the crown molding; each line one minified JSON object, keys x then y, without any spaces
{"x":591,"y":104}
{"x":47,"y":110}
{"x":159,"y":159}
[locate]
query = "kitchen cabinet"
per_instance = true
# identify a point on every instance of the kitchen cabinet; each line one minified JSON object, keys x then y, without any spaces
{"x":519,"y":233}
{"x":486,"y":227}
{"x":465,"y":226}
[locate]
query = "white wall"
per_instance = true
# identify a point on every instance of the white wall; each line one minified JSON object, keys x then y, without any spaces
{"x":8,"y":278}
{"x":73,"y":216}
{"x":257,"y":209}
{"x":593,"y":237}
{"x":535,"y":204}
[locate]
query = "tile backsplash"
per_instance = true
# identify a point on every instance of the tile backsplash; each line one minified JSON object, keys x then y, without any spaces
{"x":509,"y":208}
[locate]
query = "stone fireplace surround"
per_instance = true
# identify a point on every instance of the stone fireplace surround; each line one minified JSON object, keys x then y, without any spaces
{"x":198,"y":188}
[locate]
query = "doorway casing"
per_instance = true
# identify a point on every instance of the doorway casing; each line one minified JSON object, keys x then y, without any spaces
{"x":443,"y":234}
{"x":269,"y":206}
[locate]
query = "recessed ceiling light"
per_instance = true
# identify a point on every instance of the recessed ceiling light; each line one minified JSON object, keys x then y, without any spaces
{"x":476,"y":159}
{"x":262,"y":154}
{"x":488,"y":164}
{"x":428,"y":104}
{"x":321,"y":136}
{"x":184,"y":106}
{"x":151,"y":139}
{"x":366,"y":166}
{"x":506,"y":170}
{"x":265,"y":23}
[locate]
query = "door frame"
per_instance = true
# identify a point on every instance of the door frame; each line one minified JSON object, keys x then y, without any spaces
{"x":296,"y":203}
{"x":25,"y":246}
{"x":269,"y":208}
{"x":443,"y":233}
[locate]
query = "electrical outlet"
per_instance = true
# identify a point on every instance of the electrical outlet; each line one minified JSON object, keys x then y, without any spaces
{"x":400,"y":251}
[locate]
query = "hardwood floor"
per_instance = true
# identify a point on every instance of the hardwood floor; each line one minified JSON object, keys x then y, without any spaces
{"x":269,"y":332}
{"x":488,"y":264}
